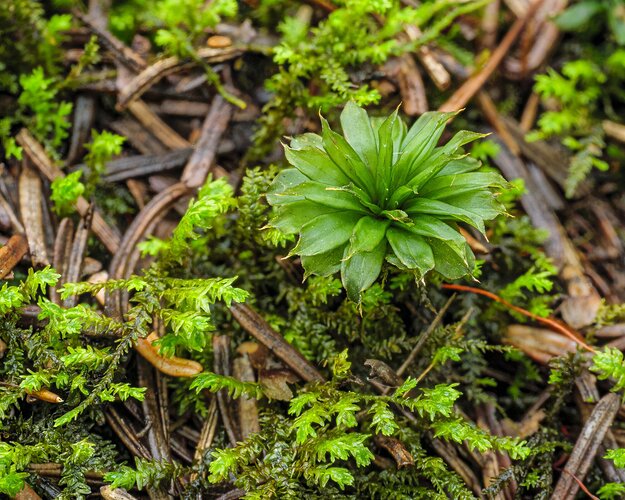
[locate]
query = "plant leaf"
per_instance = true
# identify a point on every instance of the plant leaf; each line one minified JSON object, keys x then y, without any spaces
{"x":385,"y":158}
{"x":285,"y":180}
{"x":324,"y":195}
{"x":432,"y":227}
{"x":323,"y":264}
{"x":450,"y":261}
{"x":359,"y":271}
{"x":290,"y":218}
{"x":307,"y":140}
{"x":359,"y":133}
{"x":316,"y":165}
{"x":419,"y":142}
{"x":346,"y":158}
{"x":578,"y":16}
{"x":451,"y":185}
{"x":411,"y":249}
{"x":481,"y":202}
{"x":444,"y":211}
{"x":461,"y":165}
{"x":325,"y":232}
{"x":368,"y":233}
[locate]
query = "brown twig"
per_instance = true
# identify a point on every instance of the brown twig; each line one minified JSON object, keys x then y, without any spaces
{"x":11,"y":253}
{"x":31,"y":196}
{"x":157,"y":127}
{"x":586,"y":447}
{"x":255,"y":325}
{"x":552,"y":323}
{"x":168,"y":66}
{"x":77,"y":254}
{"x":197,"y":168}
{"x":221,"y":366}
{"x":424,"y":336}
{"x":247,"y":409}
{"x":463,"y":95}
{"x":35,"y":151}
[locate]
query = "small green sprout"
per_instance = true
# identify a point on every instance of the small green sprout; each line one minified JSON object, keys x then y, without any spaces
{"x":383,"y":192}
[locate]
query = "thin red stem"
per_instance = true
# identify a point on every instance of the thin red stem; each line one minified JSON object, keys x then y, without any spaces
{"x":551,"y":323}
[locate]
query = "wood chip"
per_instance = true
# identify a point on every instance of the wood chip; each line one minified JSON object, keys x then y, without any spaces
{"x":35,"y":151}
{"x":221,"y":357}
{"x":247,"y":409}
{"x":255,"y":325}
{"x":463,"y":95}
{"x":31,"y":196}
{"x":11,"y":253}
{"x":157,"y":127}
{"x":199,"y":165}
{"x":586,"y":447}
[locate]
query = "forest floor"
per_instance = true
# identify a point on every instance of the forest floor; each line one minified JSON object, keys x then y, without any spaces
{"x":158,"y":337}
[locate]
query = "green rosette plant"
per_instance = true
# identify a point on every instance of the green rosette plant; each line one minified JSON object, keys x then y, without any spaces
{"x":383,"y":192}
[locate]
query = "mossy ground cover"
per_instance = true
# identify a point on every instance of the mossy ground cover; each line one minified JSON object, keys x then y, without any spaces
{"x":276,"y":249}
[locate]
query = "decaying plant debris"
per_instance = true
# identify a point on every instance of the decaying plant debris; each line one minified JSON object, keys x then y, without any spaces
{"x":158,"y":338}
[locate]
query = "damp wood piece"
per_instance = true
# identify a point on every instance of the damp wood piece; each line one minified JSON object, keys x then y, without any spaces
{"x":124,"y":261}
{"x":492,"y":115}
{"x":465,"y":93}
{"x":448,"y":453}
{"x":45,"y":395}
{"x":587,"y":395}
{"x":427,"y":58}
{"x":552,"y":198}
{"x":35,"y":151}
{"x":10,"y":212}
{"x":221,"y":366}
{"x":382,"y":374}
{"x":199,"y":165}
{"x":62,"y":251}
{"x":138,"y":137}
{"x":77,"y":255}
{"x":404,"y":70}
{"x":157,"y":127}
{"x":31,"y":196}
{"x":189,"y":109}
{"x":614,"y":130}
{"x":551,"y":160}
{"x":209,"y":427}
{"x":125,"y":433}
{"x":255,"y":325}
{"x":109,"y":493}
{"x":247,"y":409}
{"x":494,"y":462}
{"x":11,"y":253}
{"x":122,"y":52}
{"x":168,"y":66}
{"x":171,"y":365}
{"x":131,"y":167}
{"x":586,"y":447}
{"x":99,"y":277}
{"x":396,"y":449}
{"x":543,"y":42}
{"x":232,"y":494}
{"x":490,"y":25}
{"x":157,"y":434}
{"x":530,"y":111}
{"x":84,"y":114}
{"x":539,"y":344}
{"x":580,"y":308}
{"x":424,"y":336}
{"x":27,"y":493}
{"x":52,"y":469}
